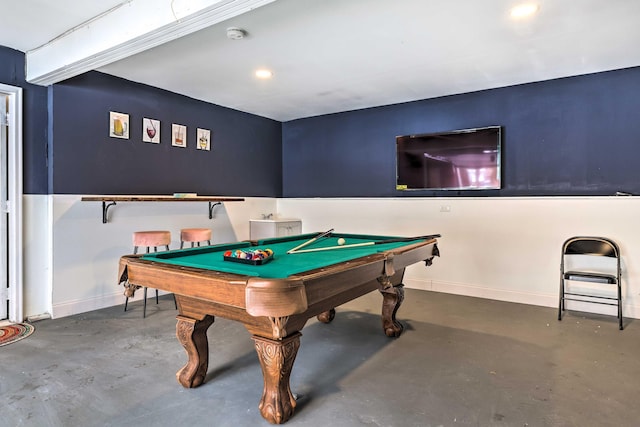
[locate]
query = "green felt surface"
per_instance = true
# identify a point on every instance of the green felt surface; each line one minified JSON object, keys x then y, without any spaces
{"x":283,"y":264}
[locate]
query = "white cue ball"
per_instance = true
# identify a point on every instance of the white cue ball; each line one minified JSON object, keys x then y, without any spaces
{"x":341,"y":241}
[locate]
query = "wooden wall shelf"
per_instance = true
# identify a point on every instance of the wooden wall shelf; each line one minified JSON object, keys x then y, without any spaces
{"x":108,"y":201}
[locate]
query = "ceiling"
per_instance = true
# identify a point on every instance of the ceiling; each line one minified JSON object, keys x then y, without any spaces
{"x":337,"y":55}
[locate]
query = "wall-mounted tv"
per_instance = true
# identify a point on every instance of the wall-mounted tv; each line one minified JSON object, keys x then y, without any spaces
{"x":466,"y":159}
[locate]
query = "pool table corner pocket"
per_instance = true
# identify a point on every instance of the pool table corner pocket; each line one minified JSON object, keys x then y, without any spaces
{"x":275,"y":297}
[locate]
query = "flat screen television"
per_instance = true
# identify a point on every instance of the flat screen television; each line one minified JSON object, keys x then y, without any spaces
{"x":466,"y":159}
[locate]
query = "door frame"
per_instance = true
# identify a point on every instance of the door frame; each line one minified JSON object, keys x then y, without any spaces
{"x":14,"y":202}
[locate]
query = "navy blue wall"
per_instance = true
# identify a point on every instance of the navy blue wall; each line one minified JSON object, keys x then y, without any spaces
{"x":34,"y":125}
{"x":245,"y":158}
{"x":571,"y":136}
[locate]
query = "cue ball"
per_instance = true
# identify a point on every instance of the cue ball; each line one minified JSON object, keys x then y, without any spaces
{"x":341,"y":241}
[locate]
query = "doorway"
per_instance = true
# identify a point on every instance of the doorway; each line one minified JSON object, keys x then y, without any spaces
{"x":4,"y":241}
{"x":11,"y":304}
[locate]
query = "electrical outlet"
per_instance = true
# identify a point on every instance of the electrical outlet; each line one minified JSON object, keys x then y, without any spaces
{"x":445,"y":208}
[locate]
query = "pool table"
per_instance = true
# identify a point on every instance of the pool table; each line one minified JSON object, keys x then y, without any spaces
{"x":274,"y":300}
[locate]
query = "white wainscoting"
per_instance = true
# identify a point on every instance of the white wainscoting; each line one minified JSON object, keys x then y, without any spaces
{"x":36,"y":255}
{"x":498,"y":248}
{"x":75,"y":269}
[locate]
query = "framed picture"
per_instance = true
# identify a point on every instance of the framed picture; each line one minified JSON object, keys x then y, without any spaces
{"x":118,"y":125}
{"x":151,"y":130}
{"x":178,"y":135}
{"x":204,"y":139}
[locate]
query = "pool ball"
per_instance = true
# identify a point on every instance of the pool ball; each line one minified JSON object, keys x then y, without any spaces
{"x":341,"y":241}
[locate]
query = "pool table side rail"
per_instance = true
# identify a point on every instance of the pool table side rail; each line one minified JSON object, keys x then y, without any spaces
{"x":308,"y":236}
{"x":372,"y":266}
{"x":204,"y":284}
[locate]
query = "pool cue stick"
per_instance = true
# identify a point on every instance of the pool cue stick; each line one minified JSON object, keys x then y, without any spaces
{"x":310,"y":241}
{"x":356,"y":245}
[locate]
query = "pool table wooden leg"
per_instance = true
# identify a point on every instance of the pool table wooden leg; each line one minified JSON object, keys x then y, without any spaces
{"x":392,"y":297}
{"x":276,"y":359}
{"x":192,"y":334}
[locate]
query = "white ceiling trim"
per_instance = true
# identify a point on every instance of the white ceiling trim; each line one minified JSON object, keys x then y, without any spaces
{"x":125,"y":30}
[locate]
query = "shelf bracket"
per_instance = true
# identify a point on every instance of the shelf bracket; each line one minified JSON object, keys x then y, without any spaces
{"x":108,"y":201}
{"x":105,"y":210}
{"x":211,"y":207}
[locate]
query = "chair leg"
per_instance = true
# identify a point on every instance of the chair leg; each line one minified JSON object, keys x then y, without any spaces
{"x":620,"y":306}
{"x":144,"y":309}
{"x":620,"y":324}
{"x":126,"y":301}
{"x":156,"y":296}
{"x":181,"y":244}
{"x":561,"y":301}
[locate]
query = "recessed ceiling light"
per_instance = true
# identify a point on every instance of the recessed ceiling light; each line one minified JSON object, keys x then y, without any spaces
{"x":524,"y":10}
{"x":264,"y":74}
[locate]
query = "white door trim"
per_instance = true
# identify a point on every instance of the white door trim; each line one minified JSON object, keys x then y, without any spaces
{"x":14,"y":205}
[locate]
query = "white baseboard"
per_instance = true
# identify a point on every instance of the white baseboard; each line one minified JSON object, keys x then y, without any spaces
{"x":38,"y":317}
{"x":69,"y":308}
{"x":628,"y":310}
{"x":483,"y":292}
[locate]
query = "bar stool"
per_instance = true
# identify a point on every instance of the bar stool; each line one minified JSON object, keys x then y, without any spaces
{"x":150,"y":239}
{"x":195,"y":235}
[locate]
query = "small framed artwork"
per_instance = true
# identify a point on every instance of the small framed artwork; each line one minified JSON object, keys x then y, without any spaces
{"x":118,"y":125}
{"x":151,"y":130}
{"x":204,"y":139}
{"x":178,"y":135}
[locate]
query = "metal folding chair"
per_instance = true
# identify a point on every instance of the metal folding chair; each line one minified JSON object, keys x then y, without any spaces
{"x":590,"y":246}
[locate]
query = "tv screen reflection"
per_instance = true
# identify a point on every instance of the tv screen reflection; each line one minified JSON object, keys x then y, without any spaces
{"x":456,"y":160}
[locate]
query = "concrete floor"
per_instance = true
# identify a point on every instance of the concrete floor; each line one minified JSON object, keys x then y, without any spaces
{"x":460,"y":362}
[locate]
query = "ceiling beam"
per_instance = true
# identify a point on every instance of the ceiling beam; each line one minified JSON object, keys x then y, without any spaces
{"x":129,"y":28}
